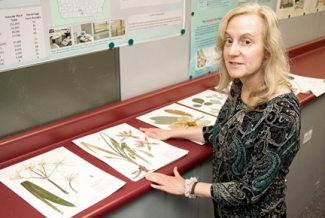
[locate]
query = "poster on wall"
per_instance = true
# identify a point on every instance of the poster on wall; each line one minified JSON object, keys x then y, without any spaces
{"x":206,"y":17}
{"x":34,"y":31}
{"x":293,"y":8}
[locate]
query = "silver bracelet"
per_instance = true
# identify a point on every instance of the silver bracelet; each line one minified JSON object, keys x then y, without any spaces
{"x":187,"y":191}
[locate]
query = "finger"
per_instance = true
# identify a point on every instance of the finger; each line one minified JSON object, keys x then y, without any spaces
{"x":155,"y":177}
{"x":143,"y":129}
{"x":150,"y":177}
{"x":176,"y":173}
{"x":150,"y":134}
{"x":155,"y":186}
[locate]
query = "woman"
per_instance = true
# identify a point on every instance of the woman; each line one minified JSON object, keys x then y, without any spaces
{"x":256,"y":134}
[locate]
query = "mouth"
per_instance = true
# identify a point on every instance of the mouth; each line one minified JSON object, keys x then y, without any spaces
{"x":235,"y":63}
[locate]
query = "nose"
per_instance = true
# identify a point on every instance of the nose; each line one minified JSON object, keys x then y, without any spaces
{"x":234,"y":49}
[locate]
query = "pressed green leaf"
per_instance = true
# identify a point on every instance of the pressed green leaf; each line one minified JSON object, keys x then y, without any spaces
{"x":208,"y":103}
{"x":132,"y":152}
{"x":198,"y":100}
{"x":89,"y":146}
{"x":123,"y":148}
{"x":115,"y":158}
{"x":147,"y":153}
{"x":46,"y":196}
{"x":214,"y":101}
{"x":197,"y":105}
{"x":177,"y":112}
{"x":115,"y":145}
{"x":164,"y":120}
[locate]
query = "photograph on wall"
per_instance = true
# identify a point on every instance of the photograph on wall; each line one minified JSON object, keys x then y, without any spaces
{"x":59,"y":183}
{"x":117,"y":27}
{"x":128,"y":150}
{"x":208,"y":101}
{"x":83,"y":33}
{"x":60,"y":38}
{"x":101,"y":30}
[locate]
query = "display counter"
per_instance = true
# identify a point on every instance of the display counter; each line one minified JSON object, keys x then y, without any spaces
{"x":306,"y":60}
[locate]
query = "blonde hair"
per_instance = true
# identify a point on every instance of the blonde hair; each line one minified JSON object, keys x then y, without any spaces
{"x":275,"y":66}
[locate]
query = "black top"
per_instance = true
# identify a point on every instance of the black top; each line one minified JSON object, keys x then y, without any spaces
{"x":252,"y":153}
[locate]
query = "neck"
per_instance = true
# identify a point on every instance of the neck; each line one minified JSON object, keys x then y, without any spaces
{"x":248,"y":88}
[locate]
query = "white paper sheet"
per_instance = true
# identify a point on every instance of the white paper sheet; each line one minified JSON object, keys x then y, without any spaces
{"x":129,"y":151}
{"x":303,"y":84}
{"x":176,"y":116}
{"x":208,"y":101}
{"x":319,"y":89}
{"x":63,"y":174}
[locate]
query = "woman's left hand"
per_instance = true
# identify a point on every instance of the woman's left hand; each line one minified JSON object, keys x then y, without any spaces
{"x":171,"y":184}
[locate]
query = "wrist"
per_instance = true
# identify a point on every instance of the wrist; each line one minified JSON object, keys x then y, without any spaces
{"x":190,"y":187}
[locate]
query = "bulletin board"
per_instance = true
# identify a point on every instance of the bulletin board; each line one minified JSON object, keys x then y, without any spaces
{"x":35,"y":31}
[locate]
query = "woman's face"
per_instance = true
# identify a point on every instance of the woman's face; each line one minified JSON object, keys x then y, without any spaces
{"x":244,"y":51}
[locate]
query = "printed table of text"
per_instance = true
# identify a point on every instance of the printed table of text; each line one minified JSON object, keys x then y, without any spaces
{"x":21,"y":36}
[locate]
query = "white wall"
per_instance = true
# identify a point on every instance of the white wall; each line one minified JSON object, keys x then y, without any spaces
{"x":298,"y":30}
{"x":150,"y":66}
{"x":153,"y":65}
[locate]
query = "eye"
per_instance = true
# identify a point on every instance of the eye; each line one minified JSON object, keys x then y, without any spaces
{"x":246,"y":42}
{"x":228,"y":41}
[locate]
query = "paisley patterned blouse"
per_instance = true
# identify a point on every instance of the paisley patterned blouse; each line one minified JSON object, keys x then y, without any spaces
{"x":252,"y":154}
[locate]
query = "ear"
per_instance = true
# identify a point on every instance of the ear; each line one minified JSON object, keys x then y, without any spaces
{"x":266,"y":54}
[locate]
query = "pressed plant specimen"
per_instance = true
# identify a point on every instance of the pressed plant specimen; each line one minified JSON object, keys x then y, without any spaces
{"x":183,"y":120}
{"x":213,"y":99}
{"x":70,"y":178}
{"x":41,"y":170}
{"x":120,"y":151}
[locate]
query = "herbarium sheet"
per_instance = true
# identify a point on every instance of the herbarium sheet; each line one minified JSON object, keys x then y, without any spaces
{"x":59,"y":183}
{"x":208,"y":101}
{"x":129,"y":151}
{"x":176,"y":116}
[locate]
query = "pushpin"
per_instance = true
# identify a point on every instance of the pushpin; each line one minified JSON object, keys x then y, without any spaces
{"x":130,"y":41}
{"x":111,"y":45}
